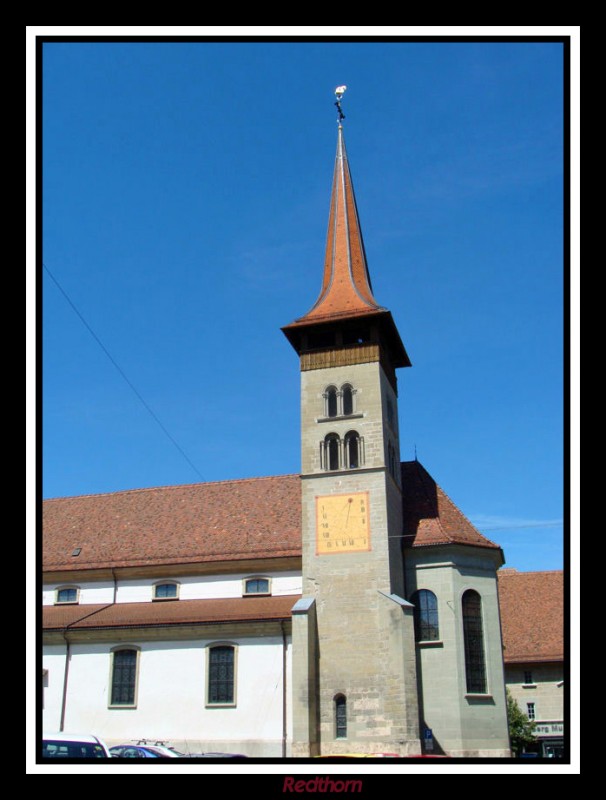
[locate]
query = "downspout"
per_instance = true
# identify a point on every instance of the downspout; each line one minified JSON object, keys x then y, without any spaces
{"x":284,"y":703}
{"x":496,"y":578}
{"x":68,"y":656}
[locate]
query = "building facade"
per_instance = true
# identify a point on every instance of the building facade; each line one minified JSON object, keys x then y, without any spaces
{"x":350,"y":608}
{"x":532,"y":609}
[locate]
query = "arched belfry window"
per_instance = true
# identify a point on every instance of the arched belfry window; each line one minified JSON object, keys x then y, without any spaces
{"x":352,"y":450}
{"x":347,"y":399}
{"x":340,"y":717}
{"x":427,"y":628}
{"x":331,"y":452}
{"x":337,"y":453}
{"x":473,"y":635}
{"x":330,"y":396}
{"x":339,"y":402}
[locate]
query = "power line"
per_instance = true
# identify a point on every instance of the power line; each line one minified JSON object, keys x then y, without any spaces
{"x":557,"y":524}
{"x":123,"y":374}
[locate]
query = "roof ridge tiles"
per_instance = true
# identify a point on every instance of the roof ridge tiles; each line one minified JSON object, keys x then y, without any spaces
{"x":513,"y":572}
{"x":465,"y":517}
{"x":453,"y":525}
{"x":424,"y":476}
{"x":169,"y":486}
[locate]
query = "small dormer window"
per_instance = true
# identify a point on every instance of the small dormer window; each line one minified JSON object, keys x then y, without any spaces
{"x":67,"y":594}
{"x":256,"y":586}
{"x":166,"y":591}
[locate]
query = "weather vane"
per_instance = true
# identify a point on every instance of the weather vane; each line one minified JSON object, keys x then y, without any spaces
{"x":339,"y":92}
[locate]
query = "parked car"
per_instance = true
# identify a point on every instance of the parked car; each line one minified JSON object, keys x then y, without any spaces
{"x":217,"y":755}
{"x":143,"y":751}
{"x":164,"y":751}
{"x":73,"y":745}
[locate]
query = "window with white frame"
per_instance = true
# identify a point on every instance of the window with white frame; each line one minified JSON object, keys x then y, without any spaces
{"x":427,"y":628}
{"x":65,"y":595}
{"x":531,"y":711}
{"x":221,"y":683}
{"x":123,"y":682}
{"x":167,"y":590}
{"x":254,"y":586}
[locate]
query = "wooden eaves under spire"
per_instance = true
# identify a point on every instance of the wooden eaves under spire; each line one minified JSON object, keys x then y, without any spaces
{"x":346,"y":313}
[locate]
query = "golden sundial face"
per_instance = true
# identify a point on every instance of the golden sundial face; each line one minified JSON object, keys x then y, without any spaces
{"x":342,"y":523}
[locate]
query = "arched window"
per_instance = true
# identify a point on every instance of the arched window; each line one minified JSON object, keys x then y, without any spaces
{"x":67,"y":594}
{"x":256,"y":586}
{"x":168,"y":590}
{"x":473,"y":634}
{"x":347,"y":398}
{"x":340,"y":717}
{"x":332,"y":445}
{"x":331,"y":401}
{"x":221,"y":672}
{"x":352,"y":450}
{"x":427,"y":628}
{"x":124,"y":676}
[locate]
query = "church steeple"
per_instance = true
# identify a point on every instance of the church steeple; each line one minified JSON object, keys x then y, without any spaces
{"x":346,"y":312}
{"x":351,"y":507}
{"x":346,"y":287}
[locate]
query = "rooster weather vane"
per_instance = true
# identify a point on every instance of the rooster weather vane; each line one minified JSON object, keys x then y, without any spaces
{"x":339,"y":92}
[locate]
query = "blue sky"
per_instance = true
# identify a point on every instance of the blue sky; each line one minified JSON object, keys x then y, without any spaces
{"x":185,"y":208}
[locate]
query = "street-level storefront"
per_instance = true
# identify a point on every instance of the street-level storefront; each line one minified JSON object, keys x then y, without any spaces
{"x":550,"y":737}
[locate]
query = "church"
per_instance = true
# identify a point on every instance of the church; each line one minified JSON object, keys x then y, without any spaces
{"x":351,"y":608}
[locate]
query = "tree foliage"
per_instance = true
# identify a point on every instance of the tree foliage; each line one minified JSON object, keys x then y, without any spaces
{"x":521,"y":729}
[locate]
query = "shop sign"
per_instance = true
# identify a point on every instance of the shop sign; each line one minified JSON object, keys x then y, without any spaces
{"x":549,"y":729}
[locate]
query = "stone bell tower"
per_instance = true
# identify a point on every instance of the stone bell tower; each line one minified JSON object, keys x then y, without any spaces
{"x":354,"y":675}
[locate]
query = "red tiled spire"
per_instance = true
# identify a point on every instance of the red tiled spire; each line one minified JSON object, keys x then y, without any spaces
{"x":346,"y":296}
{"x":346,"y":288}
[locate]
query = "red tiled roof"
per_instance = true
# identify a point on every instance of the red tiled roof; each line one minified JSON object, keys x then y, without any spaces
{"x":184,"y":612}
{"x":224,"y":521}
{"x":430,"y":516}
{"x":532,"y":615}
